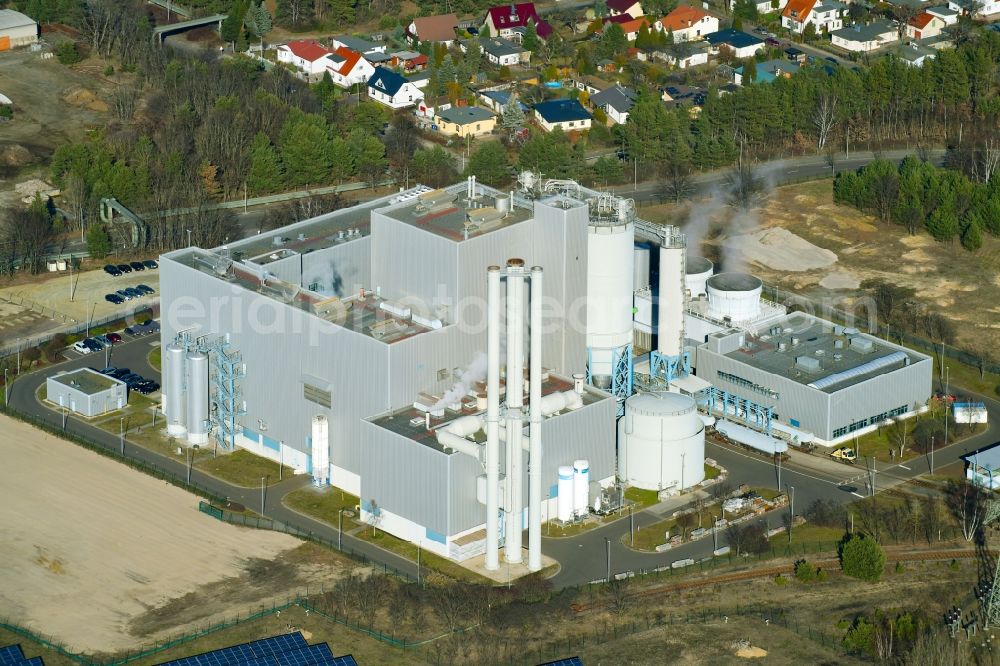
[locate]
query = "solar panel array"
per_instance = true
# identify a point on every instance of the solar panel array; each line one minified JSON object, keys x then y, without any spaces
{"x":571,"y":661}
{"x":284,"y":650}
{"x":12,"y":655}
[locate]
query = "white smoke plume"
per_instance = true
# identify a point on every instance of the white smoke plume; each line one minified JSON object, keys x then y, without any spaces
{"x":475,"y":372}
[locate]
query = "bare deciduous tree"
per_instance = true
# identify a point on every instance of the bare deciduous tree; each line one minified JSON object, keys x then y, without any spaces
{"x":967,"y":504}
{"x":825,"y":117}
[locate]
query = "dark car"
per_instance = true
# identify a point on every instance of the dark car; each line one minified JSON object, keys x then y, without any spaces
{"x":150,"y":264}
{"x":133,"y":292}
{"x":93,"y":344}
{"x":832,"y":59}
{"x":124,"y":268}
{"x":144,"y":328}
{"x":124,"y":295}
{"x":132,"y":379}
{"x":111,"y":269}
{"x":113,"y":338}
{"x":114,"y":298}
{"x":110,"y":370}
{"x":771,"y":41}
{"x":120,"y":372}
{"x":145,"y":289}
{"x":137,"y":266}
{"x":147,"y":386}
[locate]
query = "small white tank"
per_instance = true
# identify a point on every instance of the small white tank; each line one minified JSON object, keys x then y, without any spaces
{"x":197,"y":397}
{"x":734,"y":295}
{"x":581,"y":483}
{"x":661,"y":442}
{"x":173,"y":390}
{"x":564,"y":503}
{"x":697,"y":271}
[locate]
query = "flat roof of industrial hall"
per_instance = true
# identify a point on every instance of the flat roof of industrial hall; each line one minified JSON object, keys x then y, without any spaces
{"x":86,"y":380}
{"x":450,"y":213}
{"x":838,"y":367}
{"x":410,"y":421}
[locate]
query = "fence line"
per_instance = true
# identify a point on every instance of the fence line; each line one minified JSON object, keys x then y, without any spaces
{"x":11,"y":349}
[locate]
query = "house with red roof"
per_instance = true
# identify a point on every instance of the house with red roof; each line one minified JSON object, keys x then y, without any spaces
{"x":688,"y":23}
{"x":624,"y":8}
{"x":307,"y":55}
{"x":924,"y":25}
{"x":825,"y":15}
{"x":510,"y":21}
{"x":630,"y":26}
{"x":350,"y":68}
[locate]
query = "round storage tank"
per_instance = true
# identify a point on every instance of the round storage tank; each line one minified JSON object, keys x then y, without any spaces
{"x":734,"y":295}
{"x":581,"y":485}
{"x":697,"y":271}
{"x":661,"y":442}
{"x":564,"y":503}
{"x":197,"y":397}
{"x":642,"y":253}
{"x":173,"y":390}
{"x":610,"y":276}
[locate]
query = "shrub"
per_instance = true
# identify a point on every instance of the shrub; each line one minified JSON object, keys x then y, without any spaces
{"x":109,"y":70}
{"x":900,"y":568}
{"x":780,"y":580}
{"x":805,"y":571}
{"x":67,"y":53}
{"x":861,"y":557}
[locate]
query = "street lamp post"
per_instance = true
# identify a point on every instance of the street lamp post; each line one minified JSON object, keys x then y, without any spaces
{"x":791,"y":510}
{"x":683,"y":456}
{"x":189,"y":237}
{"x":778,"y":456}
{"x":947,"y":401}
{"x":418,"y":562}
{"x":340,"y":530}
{"x":932,"y":454}
{"x":191,"y":450}
{"x":121,"y":434}
{"x":715,"y":532}
{"x":608,"y":542}
{"x":263,"y":485}
{"x":6,"y":388}
{"x":631,"y":526}
{"x":281,"y":458}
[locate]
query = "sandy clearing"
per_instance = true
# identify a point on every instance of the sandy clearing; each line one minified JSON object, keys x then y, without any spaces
{"x":781,"y":250}
{"x":840,"y":280}
{"x":90,"y":544}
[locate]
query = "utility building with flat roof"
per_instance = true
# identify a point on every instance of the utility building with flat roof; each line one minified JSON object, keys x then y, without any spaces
{"x":86,"y":392}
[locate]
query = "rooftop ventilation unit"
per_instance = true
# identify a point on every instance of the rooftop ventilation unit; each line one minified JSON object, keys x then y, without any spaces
{"x":484,"y":219}
{"x":862,"y":345}
{"x":808,"y":364}
{"x":434,"y":201}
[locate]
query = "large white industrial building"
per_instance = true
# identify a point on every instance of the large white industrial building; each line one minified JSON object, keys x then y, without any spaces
{"x":406,"y":351}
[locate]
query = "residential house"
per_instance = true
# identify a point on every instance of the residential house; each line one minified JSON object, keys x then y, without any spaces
{"x":465,"y":121}
{"x":503,"y":52}
{"x":616,"y":102}
{"x":740,"y":44}
{"x":379,"y":58}
{"x":763,"y":6}
{"x":979,"y":8}
{"x":688,"y":23}
{"x":419,"y":79}
{"x":624,"y":8}
{"x":438,"y":29}
{"x":428,"y":108}
{"x":307,"y":55}
{"x":591,"y":84}
{"x":391,"y":89}
{"x":506,"y":20}
{"x":683,"y":55}
{"x":409,"y":61}
{"x":796,"y":55}
{"x":914,"y":54}
{"x":689,"y":97}
{"x":350,"y":68}
{"x":946,"y":14}
{"x":865,"y":38}
{"x":630,"y":26}
{"x":923,"y":25}
{"x":362,"y":46}
{"x":496,"y":100}
{"x":768,"y":71}
{"x":566,"y":114}
{"x":824,"y":15}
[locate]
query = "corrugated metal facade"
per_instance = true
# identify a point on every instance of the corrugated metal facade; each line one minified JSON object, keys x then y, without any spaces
{"x":339,"y":270}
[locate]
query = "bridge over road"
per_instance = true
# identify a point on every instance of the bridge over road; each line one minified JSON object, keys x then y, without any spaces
{"x":160,"y":31}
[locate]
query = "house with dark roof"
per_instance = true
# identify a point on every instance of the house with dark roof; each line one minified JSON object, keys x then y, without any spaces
{"x":362,"y":46}
{"x":507,"y":21}
{"x":438,"y":29}
{"x":739,"y":43}
{"x":566,"y":114}
{"x":391,"y":89}
{"x":825,"y":15}
{"x":616,"y":102}
{"x":768,"y":71}
{"x":914,"y":54}
{"x":624,"y":8}
{"x":975,"y":8}
{"x":762,"y":6}
{"x":504,"y":52}
{"x":465,"y":121}
{"x":496,"y":100}
{"x":865,"y":38}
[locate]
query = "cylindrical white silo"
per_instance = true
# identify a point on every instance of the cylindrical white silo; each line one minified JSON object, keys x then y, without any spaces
{"x":173,"y":390}
{"x":641,"y":273}
{"x":564,"y":501}
{"x":734,"y":295}
{"x":661,"y":442}
{"x":197,"y":397}
{"x":610,"y":276}
{"x":320,"y":450}
{"x":581,"y":484}
{"x":670,"y":304}
{"x":697,"y":271}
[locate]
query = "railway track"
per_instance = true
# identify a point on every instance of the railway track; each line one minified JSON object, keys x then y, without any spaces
{"x":770,"y":572}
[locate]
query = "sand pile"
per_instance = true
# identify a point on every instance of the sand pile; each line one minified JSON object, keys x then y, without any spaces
{"x":840,"y":280}
{"x":84,"y":98}
{"x":15,"y":155}
{"x":780,"y":250}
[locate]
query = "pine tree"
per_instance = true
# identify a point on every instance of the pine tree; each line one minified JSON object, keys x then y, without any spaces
{"x":972,"y":237}
{"x":258,"y":22}
{"x":233,"y":25}
{"x":98,"y":241}
{"x":530,"y":40}
{"x":265,"y":166}
{"x":512,"y":117}
{"x":305,"y":150}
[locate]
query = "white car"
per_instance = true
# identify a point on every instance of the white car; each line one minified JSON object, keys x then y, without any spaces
{"x":81,"y":348}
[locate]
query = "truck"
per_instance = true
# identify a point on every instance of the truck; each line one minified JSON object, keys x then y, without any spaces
{"x":845,"y":454}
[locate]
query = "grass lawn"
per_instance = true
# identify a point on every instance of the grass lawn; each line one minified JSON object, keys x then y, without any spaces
{"x":642,"y":498}
{"x":428,"y":561}
{"x":323,"y":504}
{"x":242,"y":468}
{"x":878,"y":442}
{"x":711,"y":472}
{"x":767,"y":493}
{"x":811,"y":537}
{"x":154,"y":358}
{"x":648,"y":538}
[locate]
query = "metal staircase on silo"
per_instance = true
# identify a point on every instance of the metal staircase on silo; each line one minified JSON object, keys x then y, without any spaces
{"x":227,"y":374}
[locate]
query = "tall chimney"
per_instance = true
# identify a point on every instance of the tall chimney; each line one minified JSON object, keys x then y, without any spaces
{"x":670,"y":324}
{"x":492,"y":418}
{"x":535,"y":428}
{"x":515,"y":403}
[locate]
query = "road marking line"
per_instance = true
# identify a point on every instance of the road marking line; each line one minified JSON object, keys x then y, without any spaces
{"x":854,"y":493}
{"x":904,"y":467}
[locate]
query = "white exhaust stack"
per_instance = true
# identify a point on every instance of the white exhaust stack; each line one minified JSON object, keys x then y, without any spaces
{"x":320,"y":451}
{"x":535,"y":428}
{"x":515,"y":404}
{"x":492,"y":418}
{"x":670,"y":337}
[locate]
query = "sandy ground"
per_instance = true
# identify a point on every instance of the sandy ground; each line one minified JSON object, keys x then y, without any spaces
{"x":780,"y":250}
{"x":52,"y":290}
{"x":90,"y":545}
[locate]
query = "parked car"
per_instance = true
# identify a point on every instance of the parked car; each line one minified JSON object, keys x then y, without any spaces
{"x":110,"y":370}
{"x":133,"y":292}
{"x":103,"y":339}
{"x":149,"y":263}
{"x":124,"y":268}
{"x":147,"y":386}
{"x":137,"y":266}
{"x":145,"y":289}
{"x":93,"y":344}
{"x":144,"y":328}
{"x":114,"y":338}
{"x":81,"y":348}
{"x":120,"y":372}
{"x":124,"y":295}
{"x":832,"y":59}
{"x":771,"y":41}
{"x":112,"y":270}
{"x":115,"y":299}
{"x":846,"y":454}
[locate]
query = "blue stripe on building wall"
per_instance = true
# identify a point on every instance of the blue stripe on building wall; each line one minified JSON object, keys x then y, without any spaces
{"x":272,"y":444}
{"x":434,"y":536}
{"x":794,"y":422}
{"x":553,"y":491}
{"x":309,"y":458}
{"x":249,"y":434}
